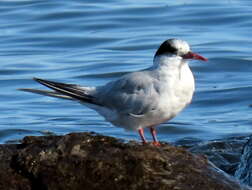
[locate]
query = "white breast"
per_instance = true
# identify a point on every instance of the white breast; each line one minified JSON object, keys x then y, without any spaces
{"x":186,"y":84}
{"x":177,"y":91}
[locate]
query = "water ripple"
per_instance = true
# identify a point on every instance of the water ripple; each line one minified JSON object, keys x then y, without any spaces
{"x":92,"y":43}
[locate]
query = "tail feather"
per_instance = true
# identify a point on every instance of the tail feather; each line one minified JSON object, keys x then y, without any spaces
{"x":46,"y":93}
{"x":69,"y":90}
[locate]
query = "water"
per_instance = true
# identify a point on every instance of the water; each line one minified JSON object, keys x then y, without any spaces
{"x":91,"y":43}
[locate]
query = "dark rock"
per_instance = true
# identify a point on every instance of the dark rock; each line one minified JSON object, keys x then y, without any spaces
{"x":10,"y":179}
{"x":244,"y":171}
{"x":90,"y":161}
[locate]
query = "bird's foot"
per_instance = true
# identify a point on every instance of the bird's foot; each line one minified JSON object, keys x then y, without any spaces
{"x":156,"y":143}
{"x":144,"y":142}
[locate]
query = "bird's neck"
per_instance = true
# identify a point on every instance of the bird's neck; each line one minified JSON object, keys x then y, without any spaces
{"x":167,"y":61}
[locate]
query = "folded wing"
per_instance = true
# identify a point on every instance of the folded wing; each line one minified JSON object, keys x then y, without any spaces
{"x":134,"y":94}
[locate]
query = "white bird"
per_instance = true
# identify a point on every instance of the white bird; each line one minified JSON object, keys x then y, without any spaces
{"x":141,"y":99}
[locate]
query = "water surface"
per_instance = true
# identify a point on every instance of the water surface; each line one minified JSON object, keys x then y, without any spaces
{"x":91,"y":43}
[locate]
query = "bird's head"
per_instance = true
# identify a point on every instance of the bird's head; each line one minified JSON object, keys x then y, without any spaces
{"x":176,"y":47}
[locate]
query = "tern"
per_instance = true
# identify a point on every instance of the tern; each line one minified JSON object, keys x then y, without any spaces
{"x":141,"y":99}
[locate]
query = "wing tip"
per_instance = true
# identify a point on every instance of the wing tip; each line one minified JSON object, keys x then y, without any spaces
{"x":39,"y":80}
{"x":22,"y":89}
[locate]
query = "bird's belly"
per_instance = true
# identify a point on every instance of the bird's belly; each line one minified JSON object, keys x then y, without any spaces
{"x":166,"y":110}
{"x":152,"y":118}
{"x":130,"y":122}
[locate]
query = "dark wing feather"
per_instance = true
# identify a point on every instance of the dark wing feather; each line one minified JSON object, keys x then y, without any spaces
{"x":71,"y":90}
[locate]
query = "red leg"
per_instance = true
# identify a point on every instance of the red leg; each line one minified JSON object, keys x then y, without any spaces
{"x":141,"y":133}
{"x":154,"y":136}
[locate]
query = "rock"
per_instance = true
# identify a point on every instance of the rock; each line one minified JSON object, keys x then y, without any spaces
{"x":90,"y":161}
{"x":10,"y":179}
{"x":244,"y":171}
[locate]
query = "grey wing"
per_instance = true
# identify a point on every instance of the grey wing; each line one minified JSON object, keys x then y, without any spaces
{"x":135,"y":94}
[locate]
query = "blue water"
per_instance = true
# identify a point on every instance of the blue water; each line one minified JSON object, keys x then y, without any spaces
{"x":91,"y":43}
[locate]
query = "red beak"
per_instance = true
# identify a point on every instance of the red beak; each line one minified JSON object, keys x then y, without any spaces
{"x":191,"y":55}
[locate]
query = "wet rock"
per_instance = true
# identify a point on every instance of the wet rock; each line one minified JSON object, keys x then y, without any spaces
{"x":90,"y":161}
{"x":244,"y":171}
